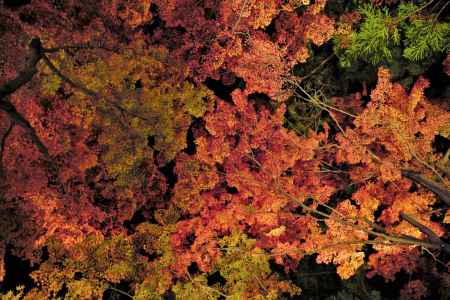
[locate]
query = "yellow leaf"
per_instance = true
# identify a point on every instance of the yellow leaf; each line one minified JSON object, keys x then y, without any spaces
{"x":277,"y":231}
{"x":447,"y":218}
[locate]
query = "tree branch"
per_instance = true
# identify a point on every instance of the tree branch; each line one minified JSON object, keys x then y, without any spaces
{"x":13,"y":85}
{"x":74,"y":84}
{"x":432,"y":236}
{"x":17,"y":118}
{"x":435,"y":187}
{"x":2,"y":146}
{"x":89,"y":92}
{"x":98,"y":45}
{"x":26,"y":74}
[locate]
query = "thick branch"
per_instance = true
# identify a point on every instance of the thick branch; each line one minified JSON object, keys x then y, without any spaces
{"x":17,"y":118}
{"x":13,"y":85}
{"x":436,"y":188}
{"x":87,"y":46}
{"x":26,"y":74}
{"x":432,"y":236}
{"x":2,"y":146}
{"x":430,"y":233}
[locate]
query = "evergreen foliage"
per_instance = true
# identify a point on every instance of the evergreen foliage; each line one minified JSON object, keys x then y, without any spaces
{"x":376,"y":37}
{"x":382,"y":30}
{"x":423,"y":38}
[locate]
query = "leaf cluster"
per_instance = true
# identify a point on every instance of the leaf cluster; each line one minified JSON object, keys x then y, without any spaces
{"x":382,"y":30}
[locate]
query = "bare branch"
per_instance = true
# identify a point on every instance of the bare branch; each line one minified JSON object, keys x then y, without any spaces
{"x":435,"y":187}
{"x":74,"y":84}
{"x":89,"y":46}
{"x":13,"y":85}
{"x":432,"y":236}
{"x":430,"y":233}
{"x":17,"y":118}
{"x":26,"y":74}
{"x":2,"y":146}
{"x":316,"y":68}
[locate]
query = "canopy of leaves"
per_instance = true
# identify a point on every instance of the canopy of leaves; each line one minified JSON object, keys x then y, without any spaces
{"x":144,"y":149}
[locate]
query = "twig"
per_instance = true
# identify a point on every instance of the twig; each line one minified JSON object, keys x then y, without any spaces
{"x":398,"y":20}
{"x":440,"y":11}
{"x":322,"y":103}
{"x":240,"y":16}
{"x":120,"y":292}
{"x":396,"y":239}
{"x":206,"y":287}
{"x":316,"y":68}
{"x":425,"y":163}
{"x":261,"y":284}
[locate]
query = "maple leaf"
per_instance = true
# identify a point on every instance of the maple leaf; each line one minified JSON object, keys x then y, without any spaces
{"x":319,"y":28}
{"x":24,"y":170}
{"x":346,"y":236}
{"x":261,"y":66}
{"x":132,"y":13}
{"x":194,"y":177}
{"x":66,"y":23}
{"x":276,"y":232}
{"x":414,"y":289}
{"x":241,"y":14}
{"x":174,"y":13}
{"x":317,"y":7}
{"x":158,"y":109}
{"x":100,"y":262}
{"x":250,"y":166}
{"x":113,"y":102}
{"x":390,"y":260}
{"x":196,"y":288}
{"x":246,"y":269}
{"x":294,"y":32}
{"x":287,"y":26}
{"x":368,"y":202}
{"x":395,"y":130}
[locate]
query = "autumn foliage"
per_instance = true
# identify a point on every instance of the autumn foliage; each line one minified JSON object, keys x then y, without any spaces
{"x":123,"y":172}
